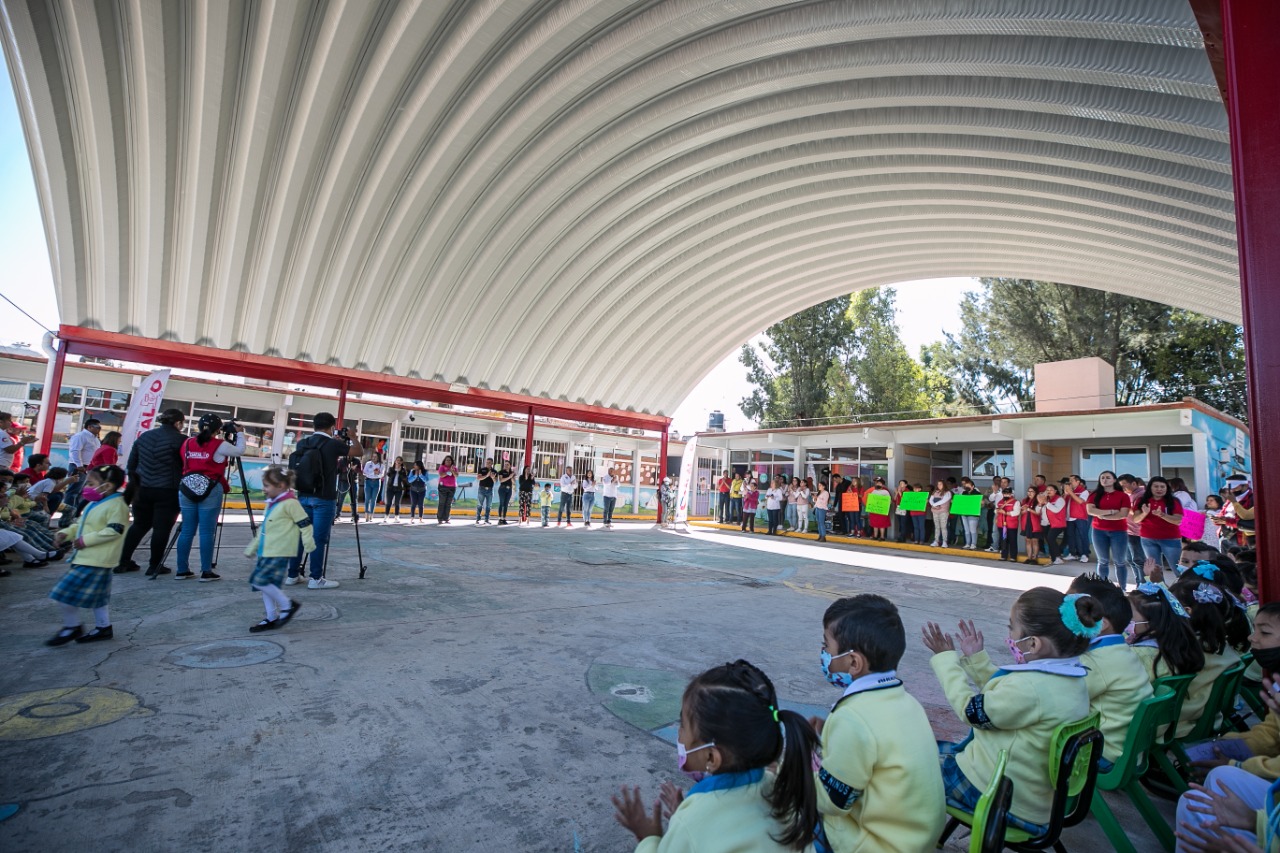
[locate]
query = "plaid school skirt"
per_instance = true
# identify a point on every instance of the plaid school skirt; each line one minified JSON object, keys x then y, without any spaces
{"x":963,"y":794}
{"x":269,"y":571}
{"x":84,"y":586}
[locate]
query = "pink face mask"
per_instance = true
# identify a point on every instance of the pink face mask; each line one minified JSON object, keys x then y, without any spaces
{"x":91,"y":494}
{"x":1019,"y":657}
{"x":682,"y":755}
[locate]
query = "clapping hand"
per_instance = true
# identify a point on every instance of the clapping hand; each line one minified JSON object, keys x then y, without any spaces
{"x":971,"y":640}
{"x":1271,"y":693}
{"x":1151,"y":570}
{"x":936,"y":641}
{"x":632,"y":814}
{"x":1228,"y":811}
{"x":671,"y":796}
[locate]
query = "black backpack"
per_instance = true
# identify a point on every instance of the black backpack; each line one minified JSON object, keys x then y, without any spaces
{"x":307,"y":464}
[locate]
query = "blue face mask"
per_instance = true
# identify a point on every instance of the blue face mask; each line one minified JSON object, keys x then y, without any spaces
{"x":839,"y":679}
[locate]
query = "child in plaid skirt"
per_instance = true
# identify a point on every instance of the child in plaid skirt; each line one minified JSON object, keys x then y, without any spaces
{"x":98,"y":540}
{"x":285,"y":526}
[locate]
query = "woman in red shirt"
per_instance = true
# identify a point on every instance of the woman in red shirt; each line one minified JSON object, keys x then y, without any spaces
{"x":1029,"y":524}
{"x":1108,"y":507}
{"x":1053,"y":517}
{"x":109,"y":452}
{"x":1159,"y":517}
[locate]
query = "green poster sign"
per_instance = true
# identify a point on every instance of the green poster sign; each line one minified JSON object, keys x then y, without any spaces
{"x":966,"y":505}
{"x":878,"y":504}
{"x":914,"y":501}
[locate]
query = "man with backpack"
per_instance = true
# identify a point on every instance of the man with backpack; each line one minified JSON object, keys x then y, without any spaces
{"x":154,"y":467}
{"x":314,"y":463}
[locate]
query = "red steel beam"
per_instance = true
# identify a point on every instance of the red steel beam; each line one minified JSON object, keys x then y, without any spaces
{"x":95,"y":342}
{"x":528,"y":444}
{"x":1249,"y":29}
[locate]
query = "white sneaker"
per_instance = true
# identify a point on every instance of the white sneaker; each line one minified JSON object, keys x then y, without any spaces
{"x":1058,"y":562}
{"x":1084,"y":558}
{"x":323,"y":583}
{"x":290,"y":581}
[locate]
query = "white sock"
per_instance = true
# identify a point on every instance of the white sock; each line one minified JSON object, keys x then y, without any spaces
{"x":70,"y":615}
{"x":270,"y":605}
{"x":101,"y":618}
{"x":32,"y":554}
{"x":277,"y":598}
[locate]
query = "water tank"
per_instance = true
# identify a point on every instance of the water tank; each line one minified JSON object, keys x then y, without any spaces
{"x":715,"y":421}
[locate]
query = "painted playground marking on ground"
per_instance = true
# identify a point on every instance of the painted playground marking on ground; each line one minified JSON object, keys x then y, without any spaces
{"x":60,"y":711}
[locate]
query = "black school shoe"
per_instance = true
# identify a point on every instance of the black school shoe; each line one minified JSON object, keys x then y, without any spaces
{"x":157,"y":571}
{"x":130,"y":566}
{"x":286,"y":615}
{"x":65,"y":636}
{"x":209,"y":577}
{"x":264,"y":625}
{"x":95,"y":635}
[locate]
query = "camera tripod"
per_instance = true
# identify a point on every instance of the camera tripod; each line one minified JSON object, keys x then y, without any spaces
{"x":355,"y":519}
{"x":248,"y":507}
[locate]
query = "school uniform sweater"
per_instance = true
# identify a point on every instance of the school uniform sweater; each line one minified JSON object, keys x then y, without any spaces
{"x":283,"y":527}
{"x":1015,"y":709}
{"x":1264,"y":741}
{"x":1117,"y":683}
{"x":879,"y":786}
{"x":725,"y":813}
{"x":1202,"y":685}
{"x":102,"y":530}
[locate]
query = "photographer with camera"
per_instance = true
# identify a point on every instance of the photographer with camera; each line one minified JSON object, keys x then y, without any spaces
{"x":200,"y":491}
{"x":314,"y":463}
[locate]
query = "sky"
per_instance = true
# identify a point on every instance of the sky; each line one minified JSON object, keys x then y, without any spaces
{"x":925,"y":309}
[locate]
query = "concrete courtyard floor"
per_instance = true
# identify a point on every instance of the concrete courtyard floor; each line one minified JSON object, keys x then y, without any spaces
{"x":482,"y":689}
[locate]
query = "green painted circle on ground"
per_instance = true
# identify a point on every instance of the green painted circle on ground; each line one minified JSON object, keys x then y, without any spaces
{"x":47,"y":713}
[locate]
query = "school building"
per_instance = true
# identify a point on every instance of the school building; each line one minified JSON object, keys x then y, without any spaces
{"x":274,"y":416}
{"x":1076,"y":429}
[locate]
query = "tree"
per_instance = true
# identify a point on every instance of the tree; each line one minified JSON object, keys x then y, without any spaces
{"x":876,"y":375}
{"x":1159,"y":353}
{"x":789,"y":370}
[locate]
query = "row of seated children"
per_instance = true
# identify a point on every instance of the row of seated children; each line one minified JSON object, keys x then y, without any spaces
{"x":24,"y":520}
{"x":871,"y":776}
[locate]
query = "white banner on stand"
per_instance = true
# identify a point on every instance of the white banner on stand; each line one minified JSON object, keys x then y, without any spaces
{"x":143,"y":409}
{"x":687,"y":466}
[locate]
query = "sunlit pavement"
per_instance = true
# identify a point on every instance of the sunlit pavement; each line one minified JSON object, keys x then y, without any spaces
{"x":484,"y":688}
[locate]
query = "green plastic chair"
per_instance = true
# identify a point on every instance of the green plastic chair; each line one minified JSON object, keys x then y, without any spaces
{"x":990,"y":818}
{"x":1215,"y":720}
{"x":1073,"y":770}
{"x":1151,"y":717}
{"x":1249,"y":690}
{"x":1179,"y":685}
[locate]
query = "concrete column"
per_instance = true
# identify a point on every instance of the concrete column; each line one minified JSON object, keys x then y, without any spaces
{"x":897,"y":467}
{"x":635,"y":480}
{"x":797,"y":468}
{"x":393,"y":443}
{"x":1021,"y":473}
{"x":1205,"y":468}
{"x":490,"y":444}
{"x":279,"y":427}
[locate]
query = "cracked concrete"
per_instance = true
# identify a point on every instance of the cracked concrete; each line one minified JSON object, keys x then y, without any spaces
{"x":483,"y":689}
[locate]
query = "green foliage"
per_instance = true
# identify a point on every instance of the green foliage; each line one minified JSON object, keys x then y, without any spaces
{"x":876,"y":374}
{"x":789,"y":370}
{"x":1160,"y":354}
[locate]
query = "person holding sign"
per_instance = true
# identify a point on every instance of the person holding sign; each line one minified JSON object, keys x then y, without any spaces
{"x":850,"y":504}
{"x":940,"y":507}
{"x":915,"y":502}
{"x":879,"y":504}
{"x":967,"y":506}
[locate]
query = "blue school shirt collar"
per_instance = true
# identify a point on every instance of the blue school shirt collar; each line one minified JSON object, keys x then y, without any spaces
{"x":1069,"y":667}
{"x":1106,"y":640}
{"x":727,"y":781}
{"x":91,"y":507}
{"x":870,"y":681}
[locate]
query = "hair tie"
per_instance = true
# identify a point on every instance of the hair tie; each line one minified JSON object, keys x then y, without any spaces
{"x":1071,"y":618}
{"x":774,"y":711}
{"x":1206,"y":570}
{"x":1149,"y":588}
{"x":1207,"y":593}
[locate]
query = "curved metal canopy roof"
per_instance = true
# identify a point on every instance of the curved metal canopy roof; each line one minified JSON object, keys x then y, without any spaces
{"x":598,"y":200}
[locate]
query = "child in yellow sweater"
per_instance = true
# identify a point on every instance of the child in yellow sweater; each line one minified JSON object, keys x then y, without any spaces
{"x":1117,"y":678}
{"x":1018,"y":706}
{"x":98,"y":540}
{"x":731,"y":730}
{"x":284,"y":525}
{"x":879,"y":787}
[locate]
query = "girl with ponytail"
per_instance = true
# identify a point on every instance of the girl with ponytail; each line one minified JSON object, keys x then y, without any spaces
{"x":1016,"y":706}
{"x":1210,"y":608}
{"x":731,"y":730}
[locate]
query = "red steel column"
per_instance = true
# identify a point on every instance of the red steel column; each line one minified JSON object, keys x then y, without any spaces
{"x":342,"y":402}
{"x":50,"y":403}
{"x":528,"y":443}
{"x":662,"y":471}
{"x":1253,"y":108}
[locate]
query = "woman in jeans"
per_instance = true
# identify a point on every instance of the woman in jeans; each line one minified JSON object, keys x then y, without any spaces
{"x":904,"y":519}
{"x":373,"y":471}
{"x":750,"y":500}
{"x":1108,"y":507}
{"x":448,"y":484}
{"x":1159,"y":516}
{"x":820,"y":510}
{"x":802,"y":498}
{"x":940,"y":508}
{"x":397,"y":482}
{"x":417,"y":491}
{"x":208,"y":455}
{"x":773,"y":505}
{"x":588,"y":496}
{"x":917,"y":519}
{"x":969,"y":523}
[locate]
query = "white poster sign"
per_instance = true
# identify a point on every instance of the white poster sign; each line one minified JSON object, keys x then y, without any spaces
{"x":687,"y":466}
{"x":143,"y":409}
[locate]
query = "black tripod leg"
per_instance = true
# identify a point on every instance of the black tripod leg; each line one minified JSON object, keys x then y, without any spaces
{"x":244,"y":491}
{"x":222,"y":519}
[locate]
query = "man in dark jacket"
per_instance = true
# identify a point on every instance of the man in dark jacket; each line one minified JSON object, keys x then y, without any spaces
{"x":154,"y":468}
